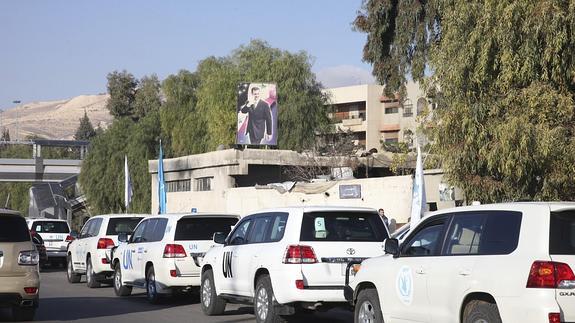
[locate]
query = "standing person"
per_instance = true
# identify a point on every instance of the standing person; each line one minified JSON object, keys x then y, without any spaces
{"x":259,"y":117}
{"x":383,"y":217}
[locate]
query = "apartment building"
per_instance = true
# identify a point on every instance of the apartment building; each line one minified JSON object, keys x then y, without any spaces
{"x":374,"y":118}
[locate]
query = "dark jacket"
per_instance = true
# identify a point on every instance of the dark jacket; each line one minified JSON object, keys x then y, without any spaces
{"x":259,"y":120}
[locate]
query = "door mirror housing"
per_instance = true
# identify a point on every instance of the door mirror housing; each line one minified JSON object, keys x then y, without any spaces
{"x":391,"y":246}
{"x":123,"y":237}
{"x":220,"y":237}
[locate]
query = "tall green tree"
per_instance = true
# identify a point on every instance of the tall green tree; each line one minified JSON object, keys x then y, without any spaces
{"x":85,"y":130}
{"x":302,"y":106}
{"x":506,"y":69}
{"x":147,"y":98}
{"x":122,"y":91}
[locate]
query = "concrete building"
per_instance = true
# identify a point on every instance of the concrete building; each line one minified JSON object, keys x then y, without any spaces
{"x":374,"y":118}
{"x":242,"y":181}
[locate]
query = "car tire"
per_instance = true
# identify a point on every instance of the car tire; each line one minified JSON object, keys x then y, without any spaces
{"x":211,"y":303}
{"x":23,"y":313}
{"x":119,"y":288}
{"x":480,"y":311}
{"x":151,"y":286}
{"x":367,"y":308}
{"x":264,"y":302}
{"x":73,"y":278}
{"x":91,"y":278}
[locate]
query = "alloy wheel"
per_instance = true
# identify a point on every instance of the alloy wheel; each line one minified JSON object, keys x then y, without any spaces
{"x":206,"y":293}
{"x":262,"y":304}
{"x":366,"y":313}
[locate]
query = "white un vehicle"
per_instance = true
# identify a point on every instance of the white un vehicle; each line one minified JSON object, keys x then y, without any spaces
{"x":89,"y":253}
{"x":56,"y":236}
{"x":490,"y":263}
{"x":165,"y":252}
{"x":287,"y":259}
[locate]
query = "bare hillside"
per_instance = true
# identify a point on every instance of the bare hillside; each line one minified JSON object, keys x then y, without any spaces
{"x":55,"y":119}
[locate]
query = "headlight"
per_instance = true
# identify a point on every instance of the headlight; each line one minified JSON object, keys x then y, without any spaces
{"x":28,"y":258}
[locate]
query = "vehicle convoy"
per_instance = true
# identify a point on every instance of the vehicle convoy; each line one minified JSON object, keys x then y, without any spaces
{"x":19,"y":276}
{"x":287,"y":260}
{"x":90,"y":253}
{"x":56,"y":236}
{"x":490,"y":263}
{"x":165,"y":252}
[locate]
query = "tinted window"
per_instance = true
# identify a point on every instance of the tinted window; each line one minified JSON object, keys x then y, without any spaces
{"x":501,"y":233}
{"x":278,"y":227}
{"x":138,"y":235}
{"x":258,"y":232}
{"x":465,"y":234}
{"x":13,"y":229}
{"x":203,"y":228}
{"x":95,"y":227}
{"x":50,"y":227}
{"x":342,"y":226}
{"x":240,"y":233}
{"x":155,"y":230}
{"x":85,"y":228}
{"x":121,"y":225}
{"x":426,"y":241}
{"x":562,"y":233}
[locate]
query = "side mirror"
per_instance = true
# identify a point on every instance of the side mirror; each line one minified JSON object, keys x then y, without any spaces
{"x":391,"y":246}
{"x":220,"y":237}
{"x":74,"y":234}
{"x":123,"y":237}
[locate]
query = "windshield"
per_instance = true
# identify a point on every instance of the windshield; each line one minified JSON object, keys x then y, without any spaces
{"x":342,"y":226}
{"x":50,"y":227}
{"x":203,"y":228}
{"x":122,"y":225}
{"x":13,"y":229}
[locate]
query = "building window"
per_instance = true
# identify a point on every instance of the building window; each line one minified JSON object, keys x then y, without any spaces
{"x":391,"y":110}
{"x":391,"y":140}
{"x":183,"y":185}
{"x":204,"y":184}
{"x":407,"y":108}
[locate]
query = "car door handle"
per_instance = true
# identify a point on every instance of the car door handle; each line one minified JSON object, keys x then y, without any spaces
{"x":465,"y":272}
{"x":420,"y":271}
{"x":145,"y":251}
{"x":133,"y":251}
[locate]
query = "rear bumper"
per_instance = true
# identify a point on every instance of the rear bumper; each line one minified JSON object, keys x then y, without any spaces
{"x":285,"y":291}
{"x":12,"y":289}
{"x":101,"y":262}
{"x":56,"y":254}
{"x":166,"y":282}
{"x":15,"y":299}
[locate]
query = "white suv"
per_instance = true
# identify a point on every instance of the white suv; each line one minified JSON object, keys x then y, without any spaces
{"x":89,"y":254}
{"x":490,"y":263}
{"x":286,"y":259}
{"x":165,"y":253}
{"x":56,"y":236}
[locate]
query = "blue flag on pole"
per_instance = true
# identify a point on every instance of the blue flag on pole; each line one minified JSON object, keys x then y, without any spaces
{"x":161,"y":183}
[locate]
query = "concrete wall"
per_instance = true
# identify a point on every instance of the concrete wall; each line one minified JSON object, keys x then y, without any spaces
{"x":391,"y":193}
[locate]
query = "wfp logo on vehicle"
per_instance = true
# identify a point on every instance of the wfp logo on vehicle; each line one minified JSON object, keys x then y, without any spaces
{"x":127,"y":259}
{"x":404,"y":285}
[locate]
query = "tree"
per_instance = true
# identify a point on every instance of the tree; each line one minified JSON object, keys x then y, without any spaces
{"x":147,"y":98}
{"x":505,"y":123}
{"x":122,"y":91}
{"x":302,"y":106}
{"x":85,"y":130}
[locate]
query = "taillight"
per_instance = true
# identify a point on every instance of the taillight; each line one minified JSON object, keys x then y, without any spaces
{"x":105,"y":243}
{"x":299,"y":255}
{"x":173,"y":273}
{"x":69,"y":238}
{"x":174,"y":251}
{"x":554,"y":318}
{"x":30,"y":290}
{"x":550,"y":274}
{"x":299,"y":284}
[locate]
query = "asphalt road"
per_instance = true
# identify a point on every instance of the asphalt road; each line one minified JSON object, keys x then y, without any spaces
{"x":61,"y":302}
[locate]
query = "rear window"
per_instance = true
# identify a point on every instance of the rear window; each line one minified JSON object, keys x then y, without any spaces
{"x":121,"y":225}
{"x":203,"y":228}
{"x":50,"y":227}
{"x":342,"y":226}
{"x":13,"y":229}
{"x":562,"y":233}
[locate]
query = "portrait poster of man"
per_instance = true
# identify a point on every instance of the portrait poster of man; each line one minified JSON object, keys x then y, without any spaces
{"x":257,"y":111}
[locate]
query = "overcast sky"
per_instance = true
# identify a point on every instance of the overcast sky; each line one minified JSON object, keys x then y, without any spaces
{"x":60,"y":49}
